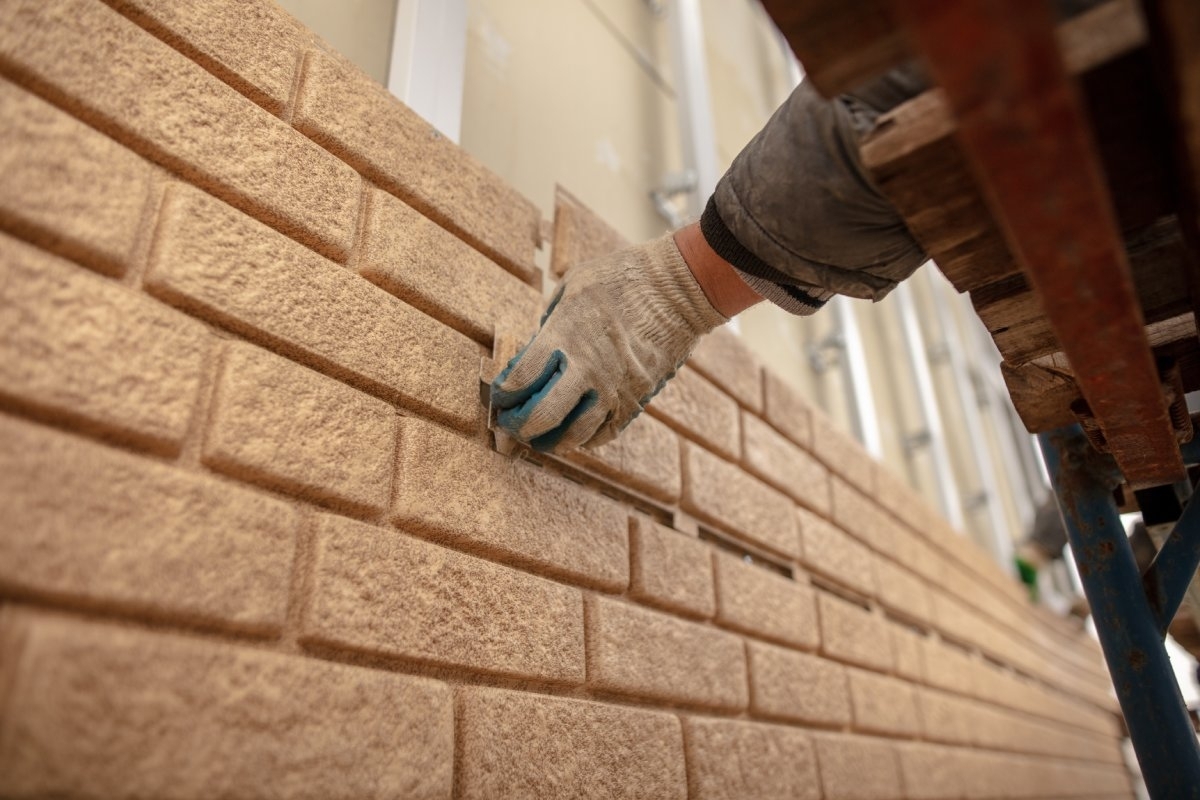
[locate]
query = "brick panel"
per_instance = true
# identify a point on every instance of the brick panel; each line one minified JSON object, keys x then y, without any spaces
{"x":852,"y":633}
{"x":842,"y":453}
{"x":98,"y":711}
{"x":724,"y":359}
{"x":77,"y":346}
{"x":118,"y":77}
{"x":68,"y":187}
{"x":513,"y":509}
{"x":732,"y":760}
{"x":96,"y":526}
{"x":359,"y":120}
{"x":902,"y":592}
{"x":797,"y":687}
{"x":883,"y":704}
{"x":948,"y":667}
{"x":833,"y":554}
{"x":719,"y":492}
{"x":224,"y":266}
{"x":636,"y":651}
{"x":858,"y":515}
{"x":517,"y":746}
{"x":786,"y":410}
{"x":908,"y":649}
{"x":855,"y":768}
{"x":944,"y":717}
{"x":930,"y":772}
{"x":755,"y":600}
{"x":699,"y":410}
{"x":770,"y":456}
{"x":670,"y":570}
{"x":277,"y":423}
{"x":580,"y":234}
{"x":645,"y":458}
{"x":381,"y":592}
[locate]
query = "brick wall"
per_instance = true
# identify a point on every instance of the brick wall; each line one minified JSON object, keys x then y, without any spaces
{"x":257,"y":540}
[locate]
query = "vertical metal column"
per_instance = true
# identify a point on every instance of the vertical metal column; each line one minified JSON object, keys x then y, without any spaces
{"x":1126,"y":624}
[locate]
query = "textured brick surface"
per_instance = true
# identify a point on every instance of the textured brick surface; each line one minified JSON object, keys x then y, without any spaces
{"x":842,"y":453}
{"x":670,"y":570}
{"x":636,"y":651}
{"x":277,"y":423}
{"x":513,"y":508}
{"x":852,"y":633}
{"x":518,"y":746}
{"x":753,"y":599}
{"x":950,"y":668}
{"x":379,"y":591}
{"x":718,"y":491}
{"x":930,"y":772}
{"x":901,"y":591}
{"x":730,"y":760}
{"x":944,"y":717}
{"x":645,"y":457}
{"x":858,"y":515}
{"x":883,"y":704}
{"x":408,"y":255}
{"x":786,"y":410}
{"x":832,"y":553}
{"x":79,"y":346}
{"x":770,"y":456}
{"x":580,"y":234}
{"x":170,"y":109}
{"x":855,"y":768}
{"x":909,"y":651}
{"x":363,"y":123}
{"x":98,"y":526}
{"x":798,"y":687}
{"x":66,"y":186}
{"x":726,"y":360}
{"x":695,"y":407}
{"x":223,"y":265}
{"x":97,"y":711}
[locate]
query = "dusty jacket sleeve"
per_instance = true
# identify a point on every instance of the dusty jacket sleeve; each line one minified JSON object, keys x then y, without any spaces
{"x":797,"y":214}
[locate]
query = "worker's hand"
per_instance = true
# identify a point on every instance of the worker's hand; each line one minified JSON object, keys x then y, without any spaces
{"x":614,"y":334}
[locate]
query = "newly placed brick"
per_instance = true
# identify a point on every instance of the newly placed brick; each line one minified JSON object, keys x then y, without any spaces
{"x":951,"y":668}
{"x":99,"y":711}
{"x":770,"y":456}
{"x":580,"y":234}
{"x":115,"y":75}
{"x":832,"y":553}
{"x":858,"y":515}
{"x":379,"y":591}
{"x":852,"y":633}
{"x":755,"y":600}
{"x":719,"y":492}
{"x":516,"y":745}
{"x":909,"y":651}
{"x":670,"y":569}
{"x":644,"y":457}
{"x":930,"y":771}
{"x":842,"y":453}
{"x":99,"y":526}
{"x":883,"y":704}
{"x":733,"y":760}
{"x":636,"y":651}
{"x":277,"y":423}
{"x":220,"y":264}
{"x":94,"y":352}
{"x":798,"y":687}
{"x":786,"y":410}
{"x":69,"y":187}
{"x":725,"y":360}
{"x":429,"y":268}
{"x":359,"y":120}
{"x":857,"y":768}
{"x":699,"y":410}
{"x":901,"y":591}
{"x":511,"y":508}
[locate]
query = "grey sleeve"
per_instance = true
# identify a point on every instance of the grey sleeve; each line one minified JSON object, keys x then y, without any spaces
{"x":797,"y":214}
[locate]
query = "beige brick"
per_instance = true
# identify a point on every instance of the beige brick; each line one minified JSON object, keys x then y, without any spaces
{"x":67,"y":187}
{"x":359,"y":120}
{"x":699,"y":410}
{"x":724,"y":359}
{"x":785,"y":466}
{"x":254,"y":47}
{"x":99,"y":711}
{"x":722,"y":494}
{"x":645,"y":458}
{"x":516,"y":746}
{"x":930,"y":772}
{"x":944,"y":717}
{"x":222,"y":265}
{"x":908,"y":649}
{"x":670,"y":569}
{"x":87,"y":524}
{"x":95,"y":353}
{"x":831,"y":553}
{"x":899,"y":498}
{"x":954,"y":619}
{"x":898,"y":542}
{"x":883,"y":704}
{"x":951,"y":668}
{"x":580,"y":234}
{"x":117,"y":76}
{"x":902,"y":592}
{"x":859,"y":516}
{"x":755,"y":600}
{"x":797,"y":687}
{"x":279,"y":424}
{"x":410,"y":256}
{"x":786,"y":410}
{"x":842,"y":453}
{"x":513,"y":508}
{"x":636,"y":651}
{"x":732,"y":760}
{"x":857,"y":768}
{"x":379,"y":591}
{"x":853,"y":634}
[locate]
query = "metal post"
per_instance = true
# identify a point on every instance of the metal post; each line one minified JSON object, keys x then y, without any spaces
{"x":857,"y":377}
{"x":1159,"y":727}
{"x":698,"y":134}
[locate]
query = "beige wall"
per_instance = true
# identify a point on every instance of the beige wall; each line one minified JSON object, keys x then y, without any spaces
{"x":359,"y":29}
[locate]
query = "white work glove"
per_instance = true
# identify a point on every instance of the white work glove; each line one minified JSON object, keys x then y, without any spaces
{"x":614,"y":334}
